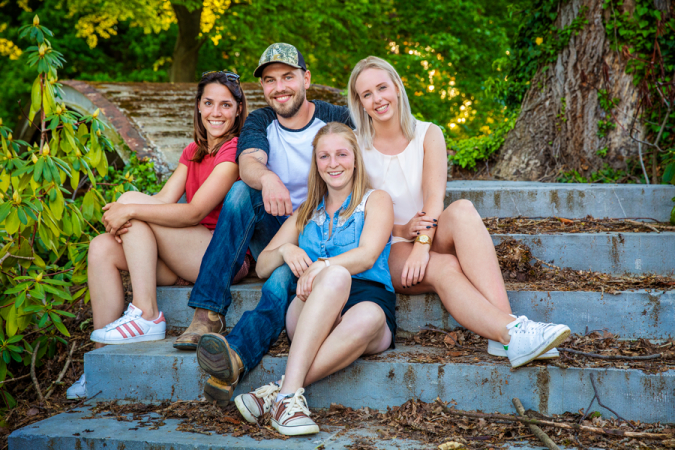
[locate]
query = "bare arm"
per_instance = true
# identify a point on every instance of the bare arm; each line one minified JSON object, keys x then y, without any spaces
{"x":169,"y":213}
{"x":254,"y":172}
{"x":283,"y":248}
{"x":433,"y":188}
{"x":253,"y":167}
{"x":435,"y":176}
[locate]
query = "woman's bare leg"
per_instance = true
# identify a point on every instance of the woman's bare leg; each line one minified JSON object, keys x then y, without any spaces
{"x":460,"y":297}
{"x":362,"y":330}
{"x":461,"y":232}
{"x":182,"y":247}
{"x":317,"y":316}
{"x":106,"y":259}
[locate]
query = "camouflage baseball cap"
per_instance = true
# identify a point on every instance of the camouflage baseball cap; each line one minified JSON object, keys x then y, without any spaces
{"x":280,"y":53}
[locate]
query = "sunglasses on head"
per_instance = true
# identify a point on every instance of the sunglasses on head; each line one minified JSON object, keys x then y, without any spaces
{"x":229,"y":76}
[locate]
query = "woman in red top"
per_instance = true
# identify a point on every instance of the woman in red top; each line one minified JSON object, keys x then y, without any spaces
{"x":159,"y":241}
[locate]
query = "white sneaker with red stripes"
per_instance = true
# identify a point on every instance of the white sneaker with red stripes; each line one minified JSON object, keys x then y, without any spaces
{"x":131,"y":328}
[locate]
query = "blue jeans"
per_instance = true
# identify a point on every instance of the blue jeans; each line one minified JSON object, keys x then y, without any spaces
{"x":243,"y":224}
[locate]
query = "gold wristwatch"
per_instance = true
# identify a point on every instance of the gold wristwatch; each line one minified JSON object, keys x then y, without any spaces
{"x":423,"y":239}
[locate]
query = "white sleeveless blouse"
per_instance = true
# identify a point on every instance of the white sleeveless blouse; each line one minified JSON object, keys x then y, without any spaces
{"x":400,"y":176}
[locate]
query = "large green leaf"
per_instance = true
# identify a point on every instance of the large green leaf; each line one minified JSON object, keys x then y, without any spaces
{"x":88,"y":204}
{"x":35,"y":98}
{"x":5,"y":209}
{"x":37,"y":173}
{"x":58,"y":292}
{"x":12,"y":322}
{"x":59,"y":324}
{"x":66,"y":224}
{"x":12,"y":223}
{"x":57,"y":204}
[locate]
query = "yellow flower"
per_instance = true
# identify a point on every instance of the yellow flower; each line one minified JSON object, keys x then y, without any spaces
{"x":539,"y":41}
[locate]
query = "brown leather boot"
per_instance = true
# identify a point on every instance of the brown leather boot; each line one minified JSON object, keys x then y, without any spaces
{"x":204,"y":321}
{"x":217,"y":359}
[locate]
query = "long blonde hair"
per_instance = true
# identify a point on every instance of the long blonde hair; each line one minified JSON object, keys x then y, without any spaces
{"x":363,"y":122}
{"x":316,"y":187}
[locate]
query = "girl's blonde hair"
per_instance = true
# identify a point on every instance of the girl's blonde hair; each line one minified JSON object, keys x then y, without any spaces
{"x":316,"y":187}
{"x":363,"y":122}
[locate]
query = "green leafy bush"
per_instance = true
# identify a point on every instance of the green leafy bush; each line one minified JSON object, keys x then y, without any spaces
{"x":467,"y":152}
{"x":45,"y":232}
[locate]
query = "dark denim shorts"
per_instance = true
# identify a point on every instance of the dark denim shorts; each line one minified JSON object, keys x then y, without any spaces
{"x":372,"y":291}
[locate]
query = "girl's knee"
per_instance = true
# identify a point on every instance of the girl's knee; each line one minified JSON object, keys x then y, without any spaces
{"x":460,"y":209}
{"x":101,"y":247}
{"x":366,"y":320}
{"x":335,"y":278}
{"x":133,"y":197}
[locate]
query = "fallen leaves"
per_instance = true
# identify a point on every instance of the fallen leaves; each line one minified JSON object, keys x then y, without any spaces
{"x":520,"y":274}
{"x":552,"y":225}
{"x":474,"y":350}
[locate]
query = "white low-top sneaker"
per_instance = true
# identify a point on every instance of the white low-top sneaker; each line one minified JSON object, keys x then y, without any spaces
{"x":254,"y":405}
{"x":290,"y":416}
{"x":497,"y":349}
{"x":530,"y":339}
{"x":130,"y":328}
{"x":78,"y":389}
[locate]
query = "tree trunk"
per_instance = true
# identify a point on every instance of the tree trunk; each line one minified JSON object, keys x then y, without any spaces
{"x":558,"y":124}
{"x":188,"y":43}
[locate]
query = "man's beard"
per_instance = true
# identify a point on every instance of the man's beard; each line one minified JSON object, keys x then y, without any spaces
{"x":290,"y":108}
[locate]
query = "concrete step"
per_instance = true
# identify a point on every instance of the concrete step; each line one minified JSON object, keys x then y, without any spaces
{"x":573,"y":200}
{"x":154,"y":371}
{"x":613,"y":253}
{"x":70,"y":431}
{"x":651,"y":313}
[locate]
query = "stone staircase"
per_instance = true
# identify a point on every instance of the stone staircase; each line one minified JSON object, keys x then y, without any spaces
{"x":154,"y":371}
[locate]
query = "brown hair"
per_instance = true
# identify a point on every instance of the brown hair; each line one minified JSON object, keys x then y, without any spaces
{"x":199,"y":134}
{"x":316,"y":187}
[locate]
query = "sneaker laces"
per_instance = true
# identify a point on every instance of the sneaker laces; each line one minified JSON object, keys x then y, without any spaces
{"x":268,"y":392}
{"x":298,"y":403}
{"x":129,"y":315}
{"x":523,"y":324}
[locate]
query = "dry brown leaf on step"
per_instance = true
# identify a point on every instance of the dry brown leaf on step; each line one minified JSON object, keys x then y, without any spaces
{"x":451,"y":339}
{"x":565,"y":221}
{"x":451,"y":446}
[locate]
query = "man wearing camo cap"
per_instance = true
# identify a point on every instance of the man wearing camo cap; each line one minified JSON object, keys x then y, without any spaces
{"x":274,"y":154}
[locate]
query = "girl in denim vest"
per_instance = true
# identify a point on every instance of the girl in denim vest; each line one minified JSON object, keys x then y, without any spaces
{"x":337,"y":243}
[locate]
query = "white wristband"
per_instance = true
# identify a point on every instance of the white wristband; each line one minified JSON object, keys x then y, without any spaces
{"x":326,"y":261}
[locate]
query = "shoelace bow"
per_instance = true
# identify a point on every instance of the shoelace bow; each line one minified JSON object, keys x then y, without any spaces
{"x":268,"y":392}
{"x":298,"y":402}
{"x":126,"y":317}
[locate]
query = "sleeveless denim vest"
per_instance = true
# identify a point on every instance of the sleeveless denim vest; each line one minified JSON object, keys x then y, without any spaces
{"x":314,"y":239}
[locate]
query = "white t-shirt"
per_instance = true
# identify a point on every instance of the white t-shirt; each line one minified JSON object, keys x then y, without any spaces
{"x":289,"y":151}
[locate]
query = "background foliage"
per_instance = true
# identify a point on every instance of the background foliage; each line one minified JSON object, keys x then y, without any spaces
{"x":444,"y":50}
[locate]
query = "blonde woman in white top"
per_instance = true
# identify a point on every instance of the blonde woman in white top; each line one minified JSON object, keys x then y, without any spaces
{"x":448,"y":251}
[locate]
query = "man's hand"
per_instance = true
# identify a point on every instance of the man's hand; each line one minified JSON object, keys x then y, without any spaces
{"x":276,"y":197}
